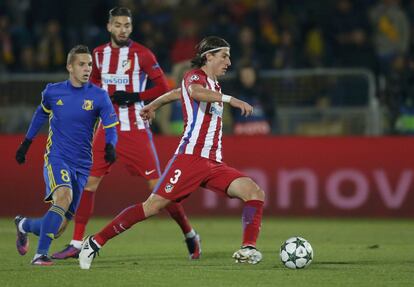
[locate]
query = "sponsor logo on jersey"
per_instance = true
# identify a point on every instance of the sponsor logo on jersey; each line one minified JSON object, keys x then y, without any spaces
{"x":115,"y":79}
{"x":194,"y":78}
{"x":59,"y":102}
{"x":87,"y":105}
{"x":169,"y":187}
{"x":216,"y":109}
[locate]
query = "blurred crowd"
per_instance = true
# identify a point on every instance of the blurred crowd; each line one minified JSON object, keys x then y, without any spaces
{"x":268,"y":34}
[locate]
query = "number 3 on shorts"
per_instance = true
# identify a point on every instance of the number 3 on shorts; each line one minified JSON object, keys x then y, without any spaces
{"x":65,"y":175}
{"x":177,"y":174}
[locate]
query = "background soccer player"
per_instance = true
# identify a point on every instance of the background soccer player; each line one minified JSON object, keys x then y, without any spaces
{"x":198,"y":158}
{"x":122,"y":67}
{"x":73,"y":108}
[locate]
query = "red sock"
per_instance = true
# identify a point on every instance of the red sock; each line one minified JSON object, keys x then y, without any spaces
{"x":252,"y":220}
{"x":123,"y":221}
{"x":83,"y":213}
{"x":176,"y":211}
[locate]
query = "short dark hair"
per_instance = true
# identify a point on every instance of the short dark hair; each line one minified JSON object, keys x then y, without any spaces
{"x":207,"y":44}
{"x":78,"y":49}
{"x":119,"y":11}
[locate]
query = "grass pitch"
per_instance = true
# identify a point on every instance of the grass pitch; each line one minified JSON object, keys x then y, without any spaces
{"x":347,"y":253}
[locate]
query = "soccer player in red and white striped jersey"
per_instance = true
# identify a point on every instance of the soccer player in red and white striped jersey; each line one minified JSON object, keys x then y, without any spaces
{"x":198,"y":159}
{"x":122,"y":67}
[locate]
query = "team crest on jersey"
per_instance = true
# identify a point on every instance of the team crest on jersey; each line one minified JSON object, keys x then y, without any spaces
{"x":87,"y":105}
{"x":194,"y":78}
{"x":126,"y":65}
{"x":169,"y":187}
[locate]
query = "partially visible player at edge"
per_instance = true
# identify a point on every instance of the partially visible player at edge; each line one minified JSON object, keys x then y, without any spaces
{"x":198,"y":158}
{"x":122,"y":68}
{"x":73,"y":108}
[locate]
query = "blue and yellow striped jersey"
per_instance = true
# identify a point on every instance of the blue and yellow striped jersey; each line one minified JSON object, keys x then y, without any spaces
{"x":73,"y":115}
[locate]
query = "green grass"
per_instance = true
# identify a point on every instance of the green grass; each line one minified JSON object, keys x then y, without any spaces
{"x":347,"y":253}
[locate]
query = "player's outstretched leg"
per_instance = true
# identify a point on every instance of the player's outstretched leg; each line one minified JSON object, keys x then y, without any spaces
{"x":192,"y":239}
{"x":253,"y":197}
{"x":22,"y":242}
{"x":119,"y":224}
{"x":122,"y":222}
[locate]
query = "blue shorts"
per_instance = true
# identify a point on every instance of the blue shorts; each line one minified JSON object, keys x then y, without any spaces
{"x":57,"y":173}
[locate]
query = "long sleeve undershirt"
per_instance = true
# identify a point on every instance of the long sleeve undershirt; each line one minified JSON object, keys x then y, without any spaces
{"x":111,"y":135}
{"x":40,"y":117}
{"x":38,"y":120}
{"x":160,"y":87}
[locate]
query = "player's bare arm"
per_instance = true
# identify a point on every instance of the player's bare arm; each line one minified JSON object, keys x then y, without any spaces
{"x":202,"y":94}
{"x":148,"y":111}
{"x":246,"y":109}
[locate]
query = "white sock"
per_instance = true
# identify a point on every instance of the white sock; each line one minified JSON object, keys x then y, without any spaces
{"x":37,"y":255}
{"x":21,"y":225}
{"x":97,"y":244}
{"x":76,"y":243}
{"x":190,"y":234}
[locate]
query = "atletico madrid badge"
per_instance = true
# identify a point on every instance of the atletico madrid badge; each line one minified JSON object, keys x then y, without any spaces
{"x":168,"y":188}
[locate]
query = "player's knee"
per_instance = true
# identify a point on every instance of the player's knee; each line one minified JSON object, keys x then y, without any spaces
{"x":150,"y":209}
{"x":249,"y":190}
{"x":63,"y":197}
{"x":257,"y":194}
{"x":252,"y":191}
{"x":153,"y":205}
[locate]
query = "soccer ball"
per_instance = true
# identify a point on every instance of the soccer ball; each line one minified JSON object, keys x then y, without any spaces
{"x":296,"y":253}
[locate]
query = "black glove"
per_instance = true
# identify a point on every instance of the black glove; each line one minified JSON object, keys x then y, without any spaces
{"x":22,"y":150}
{"x":110,"y":154}
{"x":123,"y":98}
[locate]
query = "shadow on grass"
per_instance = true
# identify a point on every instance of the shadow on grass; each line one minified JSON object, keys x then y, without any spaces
{"x":338,"y":262}
{"x":216,"y":260}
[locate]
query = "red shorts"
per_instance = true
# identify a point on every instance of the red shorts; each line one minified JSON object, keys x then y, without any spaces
{"x":135,"y":150}
{"x":185,"y":173}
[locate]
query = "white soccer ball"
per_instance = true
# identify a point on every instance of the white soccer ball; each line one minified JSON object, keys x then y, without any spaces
{"x":296,"y":253}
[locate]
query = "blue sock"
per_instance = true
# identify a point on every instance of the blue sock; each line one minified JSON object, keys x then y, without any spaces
{"x":32,"y":225}
{"x":50,"y":226}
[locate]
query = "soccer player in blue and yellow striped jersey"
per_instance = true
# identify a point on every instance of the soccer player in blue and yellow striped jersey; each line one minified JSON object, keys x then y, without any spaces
{"x":73,"y":108}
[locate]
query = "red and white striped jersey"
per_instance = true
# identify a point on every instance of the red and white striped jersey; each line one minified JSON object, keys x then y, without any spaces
{"x":125,"y":69}
{"x":202,"y":120}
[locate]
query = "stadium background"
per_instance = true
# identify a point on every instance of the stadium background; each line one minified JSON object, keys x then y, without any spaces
{"x":335,"y":85}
